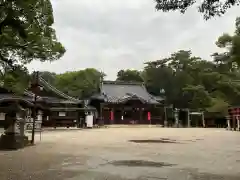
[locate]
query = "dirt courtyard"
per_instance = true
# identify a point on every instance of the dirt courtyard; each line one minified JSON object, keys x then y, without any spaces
{"x":127,"y":153}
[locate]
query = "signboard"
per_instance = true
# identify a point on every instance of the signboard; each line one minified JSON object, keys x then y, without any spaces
{"x":89,"y":121}
{"x":62,"y":114}
{"x":196,"y":113}
{"x":2,"y":116}
{"x":29,"y":124}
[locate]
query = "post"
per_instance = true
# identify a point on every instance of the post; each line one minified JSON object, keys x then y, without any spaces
{"x":122,"y":115}
{"x":188,"y":118}
{"x":101,"y":115}
{"x":165,"y":117}
{"x":149,"y":118}
{"x":203,"y":120}
{"x":234,"y":123}
{"x":34,"y":118}
{"x":34,"y":107}
{"x":176,"y":118}
{"x":113,"y":115}
{"x":140,"y":115}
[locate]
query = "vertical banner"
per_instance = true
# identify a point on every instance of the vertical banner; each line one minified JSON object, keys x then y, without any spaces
{"x":149,"y":116}
{"x":111,"y":115}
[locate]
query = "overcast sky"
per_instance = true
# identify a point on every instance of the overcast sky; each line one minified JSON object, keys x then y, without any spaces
{"x":110,"y":35}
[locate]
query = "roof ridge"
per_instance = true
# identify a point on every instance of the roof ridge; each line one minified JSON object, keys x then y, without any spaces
{"x":123,"y":82}
{"x":58,"y":92}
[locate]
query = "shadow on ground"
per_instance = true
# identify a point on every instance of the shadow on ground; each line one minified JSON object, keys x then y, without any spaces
{"x":162,"y":140}
{"x":140,"y":163}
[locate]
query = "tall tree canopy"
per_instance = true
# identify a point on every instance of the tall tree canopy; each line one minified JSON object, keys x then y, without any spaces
{"x":191,"y":82}
{"x":209,"y":8}
{"x":129,"y":75}
{"x":82,"y":84}
{"x":14,"y":80}
{"x":26,"y":32}
{"x":231,"y":45}
{"x":177,"y":76}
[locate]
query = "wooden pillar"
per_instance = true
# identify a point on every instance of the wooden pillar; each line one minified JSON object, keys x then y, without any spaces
{"x":176,"y":118}
{"x":101,"y":114}
{"x":234,"y":123}
{"x":149,"y":117}
{"x":112,"y":116}
{"x":140,"y":115}
{"x":165,"y":117}
{"x":122,"y":115}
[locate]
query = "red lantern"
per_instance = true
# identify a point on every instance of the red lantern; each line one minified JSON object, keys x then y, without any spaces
{"x":149,"y":116}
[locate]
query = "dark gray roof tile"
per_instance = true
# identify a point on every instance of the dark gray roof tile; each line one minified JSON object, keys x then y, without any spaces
{"x":117,"y":92}
{"x":45,"y":84}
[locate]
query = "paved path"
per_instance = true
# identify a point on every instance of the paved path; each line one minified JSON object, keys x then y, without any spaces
{"x":127,"y":153}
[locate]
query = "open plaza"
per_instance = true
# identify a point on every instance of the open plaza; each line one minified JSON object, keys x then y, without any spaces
{"x":142,"y":153}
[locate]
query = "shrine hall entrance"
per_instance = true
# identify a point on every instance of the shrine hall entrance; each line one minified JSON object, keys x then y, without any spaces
{"x":131,"y":112}
{"x":129,"y":115}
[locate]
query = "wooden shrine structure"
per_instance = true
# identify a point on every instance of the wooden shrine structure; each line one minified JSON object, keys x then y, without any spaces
{"x":121,"y":102}
{"x":61,"y":110}
{"x":53,"y":107}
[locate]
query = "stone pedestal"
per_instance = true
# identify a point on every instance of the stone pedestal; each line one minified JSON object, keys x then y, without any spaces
{"x":13,"y":137}
{"x":13,"y":141}
{"x":165,"y":124}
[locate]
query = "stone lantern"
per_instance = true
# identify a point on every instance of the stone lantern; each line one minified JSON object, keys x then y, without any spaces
{"x":13,"y":137}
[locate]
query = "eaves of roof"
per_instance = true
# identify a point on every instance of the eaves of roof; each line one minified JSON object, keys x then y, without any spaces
{"x":45,"y":84}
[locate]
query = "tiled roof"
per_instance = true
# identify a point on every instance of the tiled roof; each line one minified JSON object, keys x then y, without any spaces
{"x":10,"y":96}
{"x":118,"y":92}
{"x":67,"y":98}
{"x":57,"y":100}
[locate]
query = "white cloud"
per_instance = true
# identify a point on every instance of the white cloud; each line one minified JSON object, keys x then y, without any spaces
{"x":113,"y":34}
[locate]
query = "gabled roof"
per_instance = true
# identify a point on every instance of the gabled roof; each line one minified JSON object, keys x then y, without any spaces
{"x":7,"y":95}
{"x":120,"y":92}
{"x":62,"y":95}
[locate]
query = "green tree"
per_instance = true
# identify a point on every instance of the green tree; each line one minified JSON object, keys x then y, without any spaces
{"x":230,"y":59}
{"x":82,"y":84}
{"x":209,"y":8}
{"x":196,"y":97}
{"x":129,"y":75}
{"x":15,"y":80}
{"x":179,"y":76}
{"x":219,"y":106}
{"x":26,"y":32}
{"x":191,"y":82}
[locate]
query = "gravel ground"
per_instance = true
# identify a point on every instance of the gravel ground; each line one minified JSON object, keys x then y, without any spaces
{"x":127,"y":153}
